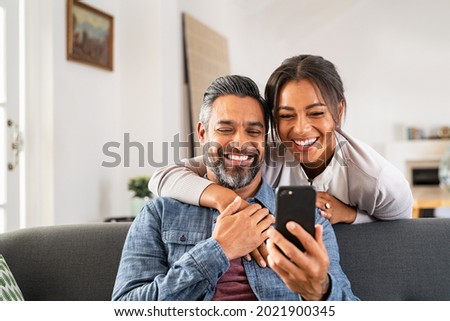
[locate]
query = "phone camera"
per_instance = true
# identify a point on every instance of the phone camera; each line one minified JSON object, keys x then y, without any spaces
{"x":286,"y":193}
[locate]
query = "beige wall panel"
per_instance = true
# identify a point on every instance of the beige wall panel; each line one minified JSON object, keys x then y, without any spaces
{"x":206,"y":53}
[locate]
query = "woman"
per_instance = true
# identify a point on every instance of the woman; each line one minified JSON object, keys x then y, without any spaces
{"x":355,"y":184}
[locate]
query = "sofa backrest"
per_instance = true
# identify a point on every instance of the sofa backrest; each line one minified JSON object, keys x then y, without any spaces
{"x":397,"y":260}
{"x":401,"y":260}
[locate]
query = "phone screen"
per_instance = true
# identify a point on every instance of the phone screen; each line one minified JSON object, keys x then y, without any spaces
{"x":295,"y":203}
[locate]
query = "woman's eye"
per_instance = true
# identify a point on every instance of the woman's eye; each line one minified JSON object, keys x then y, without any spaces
{"x":286,"y":116}
{"x":316,"y":114}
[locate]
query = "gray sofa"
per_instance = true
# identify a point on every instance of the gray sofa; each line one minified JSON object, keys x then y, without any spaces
{"x":401,"y":260}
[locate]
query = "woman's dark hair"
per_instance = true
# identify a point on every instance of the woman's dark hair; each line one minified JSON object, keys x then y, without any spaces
{"x":323,"y":75}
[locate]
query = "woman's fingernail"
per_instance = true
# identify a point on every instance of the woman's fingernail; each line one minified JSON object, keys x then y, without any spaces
{"x":262,"y":263}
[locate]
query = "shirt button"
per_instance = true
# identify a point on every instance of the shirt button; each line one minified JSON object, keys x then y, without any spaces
{"x":182,"y":238}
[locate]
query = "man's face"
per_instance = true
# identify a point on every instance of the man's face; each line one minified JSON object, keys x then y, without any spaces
{"x":234,"y":142}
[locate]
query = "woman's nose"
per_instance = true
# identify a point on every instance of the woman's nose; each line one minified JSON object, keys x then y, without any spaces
{"x":302,"y":125}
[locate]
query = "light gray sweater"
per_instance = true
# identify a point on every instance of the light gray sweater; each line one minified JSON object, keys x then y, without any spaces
{"x":374,"y":186}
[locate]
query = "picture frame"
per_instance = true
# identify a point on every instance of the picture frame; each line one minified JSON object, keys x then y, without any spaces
{"x":90,"y":35}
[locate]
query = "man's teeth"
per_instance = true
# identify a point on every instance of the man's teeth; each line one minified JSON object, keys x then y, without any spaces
{"x":307,"y":142}
{"x":238,"y":157}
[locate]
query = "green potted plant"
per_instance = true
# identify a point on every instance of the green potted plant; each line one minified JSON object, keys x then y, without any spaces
{"x":139,"y":186}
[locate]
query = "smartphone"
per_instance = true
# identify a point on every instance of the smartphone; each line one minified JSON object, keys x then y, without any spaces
{"x":295,"y":203}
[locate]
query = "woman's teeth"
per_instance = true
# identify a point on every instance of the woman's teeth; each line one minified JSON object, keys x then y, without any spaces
{"x":237,"y":157}
{"x":305,"y":143}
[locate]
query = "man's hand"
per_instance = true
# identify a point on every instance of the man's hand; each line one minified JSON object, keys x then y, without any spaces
{"x":221,"y":204}
{"x":305,"y":273}
{"x":240,"y":232}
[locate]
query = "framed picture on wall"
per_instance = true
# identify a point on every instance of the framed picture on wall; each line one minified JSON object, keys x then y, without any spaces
{"x":90,"y":34}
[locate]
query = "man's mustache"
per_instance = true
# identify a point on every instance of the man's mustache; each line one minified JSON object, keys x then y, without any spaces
{"x":217,"y":154}
{"x":216,"y":150}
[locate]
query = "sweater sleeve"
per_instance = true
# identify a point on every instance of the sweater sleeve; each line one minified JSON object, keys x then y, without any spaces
{"x":363,"y":217}
{"x":182,"y":181}
{"x":387,"y":197}
{"x":376,"y":187}
{"x":394,"y":200}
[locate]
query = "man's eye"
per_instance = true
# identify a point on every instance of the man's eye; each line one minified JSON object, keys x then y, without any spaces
{"x":254,"y":132}
{"x":224,"y":130}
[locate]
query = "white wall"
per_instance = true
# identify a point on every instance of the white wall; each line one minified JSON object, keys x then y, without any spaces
{"x":75,"y":109}
{"x":86,"y":104}
{"x":139,"y":94}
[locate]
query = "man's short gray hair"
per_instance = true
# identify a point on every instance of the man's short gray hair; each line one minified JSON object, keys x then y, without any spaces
{"x":240,"y":86}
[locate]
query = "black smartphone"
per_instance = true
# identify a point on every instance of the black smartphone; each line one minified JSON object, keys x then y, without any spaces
{"x":295,"y":203}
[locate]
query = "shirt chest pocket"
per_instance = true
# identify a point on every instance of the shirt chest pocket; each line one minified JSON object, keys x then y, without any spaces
{"x":178,"y":242}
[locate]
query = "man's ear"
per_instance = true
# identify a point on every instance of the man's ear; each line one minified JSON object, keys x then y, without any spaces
{"x":201,"y":132}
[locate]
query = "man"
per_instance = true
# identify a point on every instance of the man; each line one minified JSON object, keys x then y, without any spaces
{"x":176,"y":251}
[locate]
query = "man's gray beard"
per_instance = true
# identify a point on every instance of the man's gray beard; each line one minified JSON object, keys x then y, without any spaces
{"x":241,"y":178}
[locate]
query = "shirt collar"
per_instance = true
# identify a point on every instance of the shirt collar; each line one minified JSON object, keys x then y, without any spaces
{"x":265,"y":196}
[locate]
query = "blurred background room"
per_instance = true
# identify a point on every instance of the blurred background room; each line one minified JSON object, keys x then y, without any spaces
{"x":73,"y":134}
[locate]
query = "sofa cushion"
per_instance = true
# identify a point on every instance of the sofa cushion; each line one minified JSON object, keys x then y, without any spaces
{"x":9,"y":290}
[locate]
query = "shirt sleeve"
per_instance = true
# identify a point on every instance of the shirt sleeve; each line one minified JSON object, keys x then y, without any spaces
{"x":340,"y":285}
{"x":183,"y":181}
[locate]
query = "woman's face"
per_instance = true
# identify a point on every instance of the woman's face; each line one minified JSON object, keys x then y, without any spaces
{"x":305,"y":124}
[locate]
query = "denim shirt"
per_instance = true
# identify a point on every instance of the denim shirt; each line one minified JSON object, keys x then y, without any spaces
{"x":169,"y":254}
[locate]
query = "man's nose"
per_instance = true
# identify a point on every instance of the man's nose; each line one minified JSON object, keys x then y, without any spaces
{"x":240,"y":138}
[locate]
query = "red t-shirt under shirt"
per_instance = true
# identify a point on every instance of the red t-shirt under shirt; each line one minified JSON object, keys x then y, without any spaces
{"x":233,"y":285}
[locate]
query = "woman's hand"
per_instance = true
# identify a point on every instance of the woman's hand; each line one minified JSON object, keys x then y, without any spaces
{"x":305,"y":273}
{"x":334,"y":210}
{"x":259,"y":255}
